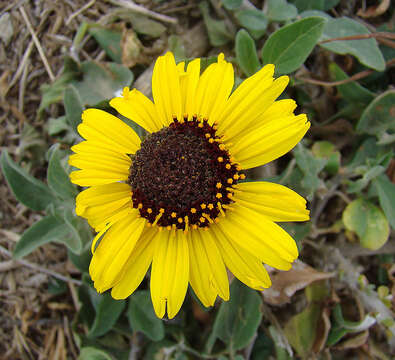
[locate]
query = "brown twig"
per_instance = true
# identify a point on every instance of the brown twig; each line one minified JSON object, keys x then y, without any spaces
{"x":355,"y":77}
{"x":40,"y":268}
{"x":37,"y":43}
{"x":376,"y":35}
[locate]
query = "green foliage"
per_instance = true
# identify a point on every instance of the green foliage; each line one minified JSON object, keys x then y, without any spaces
{"x":217,"y":32}
{"x":246,"y":55}
{"x":290,"y":46}
{"x":386,"y":193}
{"x":280,"y":10}
{"x":105,"y":319}
{"x":365,"y":50}
{"x":368,"y":221}
{"x":142,"y":317}
{"x":28,"y":190}
{"x":343,"y":327}
{"x":379,"y":118}
{"x":109,"y":40}
{"x":57,"y":177}
{"x":310,"y":167}
{"x":238,"y":319}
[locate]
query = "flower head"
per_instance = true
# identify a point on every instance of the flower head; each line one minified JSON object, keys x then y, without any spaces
{"x":176,"y":198}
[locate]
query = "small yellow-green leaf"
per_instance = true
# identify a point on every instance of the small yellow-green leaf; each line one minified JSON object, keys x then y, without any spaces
{"x":368,"y":222}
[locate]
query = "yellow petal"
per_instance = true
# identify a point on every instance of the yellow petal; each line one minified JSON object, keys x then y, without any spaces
{"x":96,"y":177}
{"x":188,"y":84}
{"x":101,"y":161}
{"x":276,"y":202}
{"x":208,"y":273}
{"x":100,"y":195}
{"x":213,"y":89}
{"x":137,"y":107}
{"x":260,"y":236}
{"x":113,"y":251}
{"x":166,"y":89}
{"x":102,"y":127}
{"x":136,"y":266}
{"x":251,"y":108}
{"x":245,"y":266}
{"x":270,"y":142}
{"x":170,"y":272}
{"x":247,"y":94}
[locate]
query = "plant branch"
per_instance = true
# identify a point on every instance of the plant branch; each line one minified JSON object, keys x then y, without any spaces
{"x":40,"y":268}
{"x":355,"y":77}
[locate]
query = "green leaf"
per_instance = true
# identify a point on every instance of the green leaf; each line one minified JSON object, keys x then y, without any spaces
{"x":311,"y":167}
{"x":238,"y":319}
{"x":289,"y":47}
{"x":146,"y":26}
{"x":246,"y":55}
{"x":27,"y":189}
{"x":386,"y":191}
{"x":323,"y":5}
{"x":142,"y":316}
{"x":73,"y":107}
{"x":327,"y":151}
{"x":365,"y":50}
{"x":368,"y":222}
{"x":80,"y":232}
{"x":379,"y":117}
{"x":57,"y":177}
{"x":301,"y":330}
{"x":352,"y":91}
{"x":218,"y":34}
{"x":252,"y":19}
{"x":232,"y":4}
{"x":370,"y":174}
{"x":108,"y":311}
{"x":48,"y":229}
{"x":176,"y":46}
{"x":91,"y":353}
{"x":341,"y":327}
{"x":280,"y":10}
{"x":109,"y":40}
{"x":101,"y":82}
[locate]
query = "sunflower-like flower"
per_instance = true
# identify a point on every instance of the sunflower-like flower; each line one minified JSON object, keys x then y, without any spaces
{"x":175,"y":200}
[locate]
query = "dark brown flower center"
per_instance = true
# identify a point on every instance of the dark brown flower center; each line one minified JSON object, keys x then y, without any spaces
{"x":182,"y":175}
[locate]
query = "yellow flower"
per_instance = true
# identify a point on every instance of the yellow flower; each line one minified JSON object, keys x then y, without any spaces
{"x":175,"y":198}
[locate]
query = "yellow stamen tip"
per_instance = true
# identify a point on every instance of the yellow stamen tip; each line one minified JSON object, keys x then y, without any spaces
{"x":149,"y":211}
{"x":168,"y":227}
{"x":161,"y":210}
{"x":207,"y":135}
{"x":210,"y":206}
{"x":230,"y":181}
{"x":173,"y":214}
{"x":242,"y":176}
{"x":228,"y":166}
{"x":140,"y":206}
{"x":218,"y":185}
{"x":202,"y":219}
{"x":203,"y":206}
{"x":179,"y":220}
{"x":220,"y":159}
{"x":236,"y":176}
{"x":193,"y":210}
{"x":218,"y":196}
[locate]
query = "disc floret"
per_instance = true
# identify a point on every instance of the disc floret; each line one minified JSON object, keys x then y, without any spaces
{"x":182,"y":176}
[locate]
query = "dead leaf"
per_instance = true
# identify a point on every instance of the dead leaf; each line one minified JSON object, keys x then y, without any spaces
{"x":323,"y":328}
{"x":373,"y":11}
{"x":354,"y":342}
{"x":285,"y":284}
